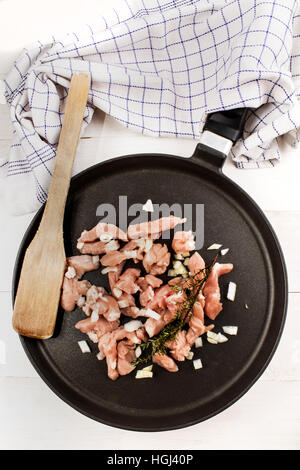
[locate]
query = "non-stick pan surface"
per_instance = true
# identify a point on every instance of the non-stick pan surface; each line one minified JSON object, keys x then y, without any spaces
{"x":170,"y":400}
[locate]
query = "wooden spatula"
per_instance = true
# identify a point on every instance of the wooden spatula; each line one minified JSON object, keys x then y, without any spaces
{"x":39,"y":288}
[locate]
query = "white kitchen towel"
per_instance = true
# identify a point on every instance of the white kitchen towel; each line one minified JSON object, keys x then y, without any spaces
{"x":160,"y":66}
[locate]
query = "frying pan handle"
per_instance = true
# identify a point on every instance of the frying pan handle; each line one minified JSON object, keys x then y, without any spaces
{"x":221,"y":130}
{"x":227,"y":124}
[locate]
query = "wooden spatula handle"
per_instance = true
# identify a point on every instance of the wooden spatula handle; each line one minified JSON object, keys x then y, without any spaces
{"x":66,"y":150}
{"x":43,"y":268}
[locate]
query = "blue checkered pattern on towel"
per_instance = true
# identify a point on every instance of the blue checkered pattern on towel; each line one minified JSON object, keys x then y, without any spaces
{"x":160,"y":66}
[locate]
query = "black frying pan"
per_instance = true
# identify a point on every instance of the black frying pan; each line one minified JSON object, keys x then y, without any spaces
{"x":172,"y":400}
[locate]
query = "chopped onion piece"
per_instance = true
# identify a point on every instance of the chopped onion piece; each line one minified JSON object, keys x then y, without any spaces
{"x":148,"y":312}
{"x":177,"y":264}
{"x":172,"y":273}
{"x":130,"y":253}
{"x":94,"y":317}
{"x":117,"y":292}
{"x":190,"y":355}
{"x":144,"y":374}
{"x":197,"y":364}
{"x":198,"y":342}
{"x":141,"y":243}
{"x":212,"y":335}
{"x":138,"y":351}
{"x":231,"y":291}
{"x":81,"y":301}
{"x":108,"y":270}
{"x":212,"y":341}
{"x":133,"y":325}
{"x":84,"y":346}
{"x":148,"y":245}
{"x":186,"y":261}
{"x":222,"y":338}
{"x":178,"y":256}
{"x":246,"y":307}
{"x":71,"y":273}
{"x":148,"y":206}
{"x":93,"y":337}
{"x":179,"y":268}
{"x":113,"y":245}
{"x":105,"y":237}
{"x":113,"y":315}
{"x":148,"y":368}
{"x":230,"y":330}
{"x":186,"y":254}
{"x":100,"y":356}
{"x":224,"y":251}
{"x":214,"y":246}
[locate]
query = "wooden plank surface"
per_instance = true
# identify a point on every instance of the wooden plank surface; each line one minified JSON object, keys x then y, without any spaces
{"x":32,"y":417}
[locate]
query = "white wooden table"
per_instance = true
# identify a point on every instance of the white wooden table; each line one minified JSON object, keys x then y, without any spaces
{"x":31,"y":416}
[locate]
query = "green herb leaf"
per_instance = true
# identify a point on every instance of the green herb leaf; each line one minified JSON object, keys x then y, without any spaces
{"x":192,"y":287}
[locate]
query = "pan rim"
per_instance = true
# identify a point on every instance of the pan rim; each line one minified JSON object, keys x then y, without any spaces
{"x":260,"y":368}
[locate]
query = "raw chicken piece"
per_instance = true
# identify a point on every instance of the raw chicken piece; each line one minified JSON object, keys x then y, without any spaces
{"x":126,"y":355}
{"x":179,"y":347}
{"x":153,"y":326}
{"x":147,"y":285}
{"x":183,"y":242}
{"x":72,"y":290}
{"x":113,"y":258}
{"x":196,"y":263}
{"x":127,"y":281}
{"x":157,"y":259}
{"x":126,"y":302}
{"x":146,"y":296}
{"x":135,"y":246}
{"x":110,"y":230}
{"x":108,"y":348}
{"x":99,"y":302}
{"x":160,"y":296}
{"x":101,"y":228}
{"x":165,"y":361}
{"x":153,"y":281}
{"x":83,"y":264}
{"x":196,"y":324}
{"x":95,"y":301}
{"x":155,"y":227}
{"x":113,"y":276}
{"x":113,"y":245}
{"x":88,"y":236}
{"x":127,"y":299}
{"x":149,"y":280}
{"x":174,"y":300}
{"x":133,"y":312}
{"x":100,"y":327}
{"x":142,"y":334}
{"x":211,"y":290}
{"x":113,"y":311}
{"x":166,"y":302}
{"x":177,"y":281}
{"x":92,"y":248}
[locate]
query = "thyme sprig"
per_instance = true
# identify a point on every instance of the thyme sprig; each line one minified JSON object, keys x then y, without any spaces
{"x":191,"y":287}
